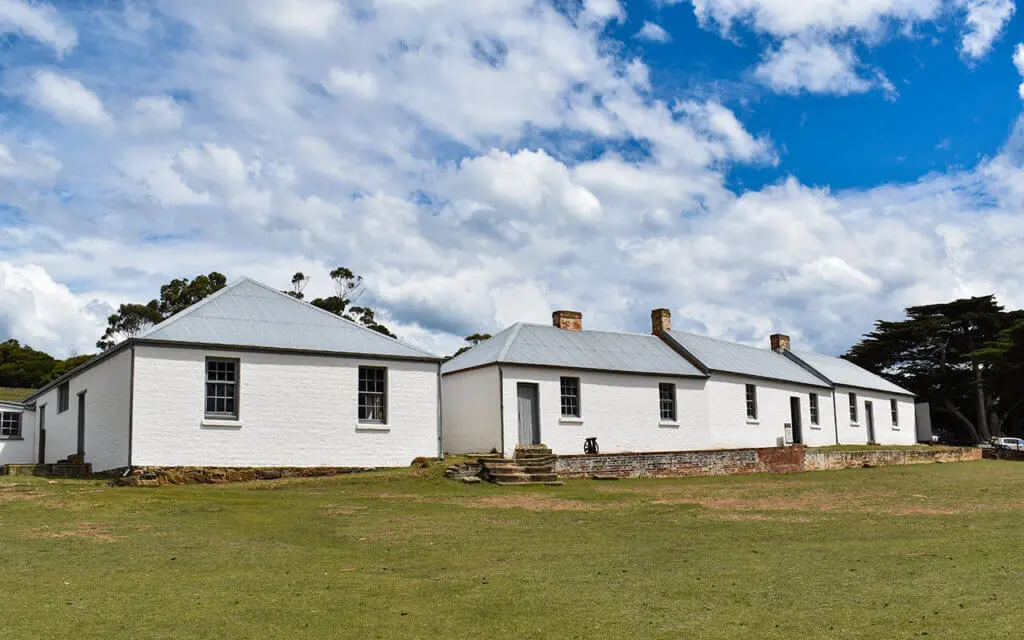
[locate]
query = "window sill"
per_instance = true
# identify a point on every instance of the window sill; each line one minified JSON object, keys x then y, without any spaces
{"x":5,"y":438}
{"x":222,"y":424}
{"x":816,"y":427}
{"x":372,"y":427}
{"x":854,"y":425}
{"x":570,"y":420}
{"x":668,"y":424}
{"x":753,"y":421}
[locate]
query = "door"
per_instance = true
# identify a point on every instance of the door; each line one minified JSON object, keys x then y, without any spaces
{"x":796,"y":419}
{"x":42,"y":434}
{"x":529,"y":418}
{"x":81,"y":424}
{"x":869,"y":413}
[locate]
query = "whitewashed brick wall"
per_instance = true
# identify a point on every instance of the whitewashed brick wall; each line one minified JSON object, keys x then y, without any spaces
{"x":471,"y":416}
{"x":21,"y":451}
{"x":904,"y":433}
{"x":295,"y":410}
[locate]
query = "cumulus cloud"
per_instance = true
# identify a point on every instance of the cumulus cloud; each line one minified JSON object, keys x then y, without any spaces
{"x":653,"y":32}
{"x":37,"y":21}
{"x":67,"y":100}
{"x":985,"y":22}
{"x":1018,"y":61}
{"x":47,"y":315}
{"x":813,"y":67}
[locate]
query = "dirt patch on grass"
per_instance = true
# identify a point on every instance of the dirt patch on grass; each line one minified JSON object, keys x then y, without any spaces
{"x":18,"y":492}
{"x":753,"y":516}
{"x":82,"y":531}
{"x":526,"y":501}
{"x":341,"y":509}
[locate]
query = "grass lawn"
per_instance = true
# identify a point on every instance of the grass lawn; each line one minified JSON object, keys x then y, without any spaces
{"x":14,"y":394}
{"x":892,"y":552}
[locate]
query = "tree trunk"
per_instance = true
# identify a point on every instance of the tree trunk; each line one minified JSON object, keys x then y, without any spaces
{"x":982,"y":405}
{"x":971,"y":430}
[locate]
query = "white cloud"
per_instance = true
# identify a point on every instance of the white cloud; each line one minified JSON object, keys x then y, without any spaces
{"x":786,"y":18}
{"x":985,"y":20}
{"x":653,"y":32}
{"x":67,"y":99}
{"x":46,"y":315}
{"x":360,"y":84}
{"x":817,"y":67}
{"x":38,"y":21}
{"x":1018,"y":61}
{"x":296,"y":18}
{"x":157,"y":113}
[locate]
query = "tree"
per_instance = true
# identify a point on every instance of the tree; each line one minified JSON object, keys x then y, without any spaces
{"x":299,"y":282}
{"x":177,"y":295}
{"x":471,"y":341}
{"x":23,"y":366}
{"x":348,"y":287}
{"x":937,"y":353}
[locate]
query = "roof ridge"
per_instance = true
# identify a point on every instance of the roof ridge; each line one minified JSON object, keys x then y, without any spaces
{"x":192,"y":307}
{"x":618,"y":333}
{"x":508,"y":341}
{"x":337,"y":317}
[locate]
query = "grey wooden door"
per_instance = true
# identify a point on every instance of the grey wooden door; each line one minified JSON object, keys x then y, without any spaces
{"x":529,"y":418}
{"x":869,"y":412}
{"x":81,"y":424}
{"x":42,"y":434}
{"x":796,"y":419}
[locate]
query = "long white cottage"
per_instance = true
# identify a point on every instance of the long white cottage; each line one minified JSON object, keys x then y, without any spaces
{"x":669,"y":391}
{"x":247,"y":377}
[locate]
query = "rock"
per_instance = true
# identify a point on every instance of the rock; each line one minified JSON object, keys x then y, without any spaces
{"x":471,"y":480}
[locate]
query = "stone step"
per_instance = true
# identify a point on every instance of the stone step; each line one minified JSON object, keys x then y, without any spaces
{"x":542,"y":477}
{"x":555,"y":483}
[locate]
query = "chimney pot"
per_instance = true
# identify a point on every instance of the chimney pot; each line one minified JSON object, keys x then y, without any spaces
{"x":779,"y":341}
{"x":661,"y":321}
{"x":568,"y":320}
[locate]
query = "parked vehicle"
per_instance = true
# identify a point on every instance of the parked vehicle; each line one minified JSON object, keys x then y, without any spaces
{"x":1012,"y":444}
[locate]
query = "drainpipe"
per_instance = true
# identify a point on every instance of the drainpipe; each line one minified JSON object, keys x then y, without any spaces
{"x":835,"y":415}
{"x":440,"y":423}
{"x":131,"y":407}
{"x":501,"y":409}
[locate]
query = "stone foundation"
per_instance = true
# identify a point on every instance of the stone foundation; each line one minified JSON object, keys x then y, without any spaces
{"x":153,"y":476}
{"x":1002,"y":454}
{"x":681,"y":464}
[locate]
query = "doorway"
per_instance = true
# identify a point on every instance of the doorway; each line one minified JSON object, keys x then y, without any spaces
{"x":42,"y":434}
{"x":529,"y":414}
{"x":81,"y":423}
{"x":869,"y":413}
{"x":796,"y":419}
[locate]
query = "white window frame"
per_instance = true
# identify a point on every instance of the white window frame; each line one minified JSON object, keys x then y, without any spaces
{"x":366,"y":417}
{"x":562,"y":397}
{"x":750,"y":400}
{"x":894,"y":412}
{"x":63,"y":396}
{"x":814,"y":410}
{"x":854,"y":409}
{"x":11,"y":425}
{"x":236,"y":389}
{"x":673,"y":403}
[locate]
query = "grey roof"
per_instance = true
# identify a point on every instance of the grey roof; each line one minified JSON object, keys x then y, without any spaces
{"x":248,"y":313}
{"x":730,"y":357}
{"x":532,"y":344}
{"x":12,"y":406}
{"x":844,"y":372}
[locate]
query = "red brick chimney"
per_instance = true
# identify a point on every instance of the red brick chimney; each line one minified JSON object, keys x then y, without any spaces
{"x":661,"y":321}
{"x":779,"y":341}
{"x":568,"y":320}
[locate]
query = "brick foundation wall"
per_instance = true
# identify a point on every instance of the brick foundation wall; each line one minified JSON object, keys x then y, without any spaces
{"x":831,"y":460}
{"x":681,"y":464}
{"x":147,"y":476}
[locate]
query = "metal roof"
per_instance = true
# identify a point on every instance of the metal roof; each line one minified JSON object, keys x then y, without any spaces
{"x":12,"y":406}
{"x":846,"y":373}
{"x":544,"y":345}
{"x":247,"y":313}
{"x":731,"y":357}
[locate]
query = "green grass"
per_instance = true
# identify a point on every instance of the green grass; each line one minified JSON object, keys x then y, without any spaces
{"x":891,"y":552}
{"x":14,"y":394}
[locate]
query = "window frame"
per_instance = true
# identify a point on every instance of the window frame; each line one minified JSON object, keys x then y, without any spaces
{"x":673,"y":403}
{"x":384,"y":408}
{"x":854,"y":409}
{"x":894,"y":413}
{"x":814,"y":412}
{"x":562,"y":397}
{"x":15,"y":432}
{"x":750,"y":399}
{"x":63,"y":397}
{"x":236,"y":388}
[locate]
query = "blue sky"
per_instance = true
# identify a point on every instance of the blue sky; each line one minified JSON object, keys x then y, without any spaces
{"x":753,"y":165}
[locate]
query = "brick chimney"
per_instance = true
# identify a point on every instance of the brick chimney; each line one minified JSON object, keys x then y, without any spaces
{"x":568,"y":320}
{"x":780,"y":342}
{"x":661,"y":321}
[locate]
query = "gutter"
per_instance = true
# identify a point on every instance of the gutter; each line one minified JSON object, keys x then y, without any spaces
{"x":835,"y":415}
{"x":131,"y":408}
{"x":501,"y":408}
{"x":440,"y":416}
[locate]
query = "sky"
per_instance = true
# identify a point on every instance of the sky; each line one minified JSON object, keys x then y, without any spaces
{"x":755,"y":166}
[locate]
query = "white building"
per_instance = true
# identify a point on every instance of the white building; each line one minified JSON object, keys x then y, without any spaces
{"x":669,"y":391}
{"x":17,"y":437}
{"x":247,"y":377}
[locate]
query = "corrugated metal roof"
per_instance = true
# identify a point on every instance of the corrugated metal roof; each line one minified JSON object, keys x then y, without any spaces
{"x":730,"y":357}
{"x":248,"y":313}
{"x":545,"y":345}
{"x":844,"y":372}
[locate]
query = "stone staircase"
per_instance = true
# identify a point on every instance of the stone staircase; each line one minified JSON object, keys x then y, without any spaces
{"x":74,"y":466}
{"x":532,"y":464}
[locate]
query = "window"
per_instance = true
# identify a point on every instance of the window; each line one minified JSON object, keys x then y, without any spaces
{"x":373,"y":395}
{"x":570,"y":397}
{"x":667,"y":400}
{"x":10,"y":425}
{"x":222,"y":388}
{"x":894,"y":410}
{"x":814,"y":408}
{"x":853,"y":408}
{"x":751,"y":402}
{"x":63,"y":397}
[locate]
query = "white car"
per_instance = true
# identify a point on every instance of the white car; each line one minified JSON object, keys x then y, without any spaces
{"x":1014,"y":444}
